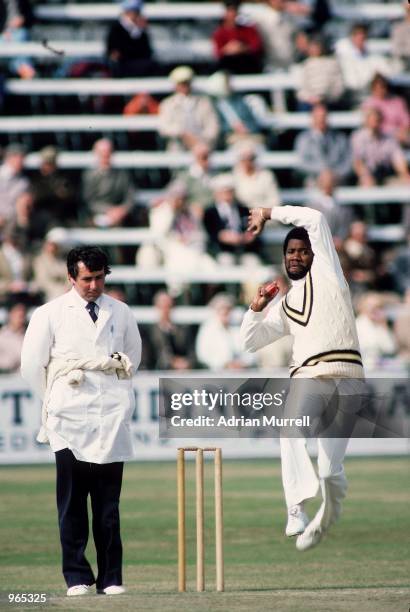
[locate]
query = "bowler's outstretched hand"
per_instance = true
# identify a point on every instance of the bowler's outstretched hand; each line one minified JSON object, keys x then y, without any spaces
{"x":257,"y":219}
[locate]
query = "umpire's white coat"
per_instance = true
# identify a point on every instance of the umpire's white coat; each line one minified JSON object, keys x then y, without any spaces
{"x":92,"y":419}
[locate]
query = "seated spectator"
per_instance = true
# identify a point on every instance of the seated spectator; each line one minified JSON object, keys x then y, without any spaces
{"x":29,"y":225}
{"x":400,"y":38}
{"x":321,"y":78}
{"x":362,"y":258}
{"x":16,"y":18}
{"x":400,"y":268}
{"x":402,"y":328}
{"x":226,"y":222}
{"x":358,"y":65}
{"x":11,"y":339}
{"x":108,"y":192}
{"x":278,"y":33}
{"x":375,"y":338}
{"x":170,"y":346}
{"x":15,"y":272}
{"x":128,"y":45}
{"x":55,"y":195}
{"x":395,"y":114}
{"x":142,"y":104}
{"x":218,"y":344}
{"x":236,"y":118}
{"x":197,"y":178}
{"x":237,"y":43}
{"x":321,"y":148}
{"x":254,"y":186}
{"x":180,"y":238}
{"x":377,"y":157}
{"x":316,"y":11}
{"x":185,"y":118}
{"x":12,"y":182}
{"x":50,"y":270}
{"x":323,"y":198}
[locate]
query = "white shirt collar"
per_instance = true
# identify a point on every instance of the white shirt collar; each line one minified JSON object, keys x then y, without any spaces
{"x":84,"y":302}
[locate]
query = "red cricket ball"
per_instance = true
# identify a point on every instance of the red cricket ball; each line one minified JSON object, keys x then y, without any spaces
{"x":272,"y":289}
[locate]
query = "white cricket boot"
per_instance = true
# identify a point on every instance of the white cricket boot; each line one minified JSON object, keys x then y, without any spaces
{"x":77,"y":590}
{"x":297,"y":521}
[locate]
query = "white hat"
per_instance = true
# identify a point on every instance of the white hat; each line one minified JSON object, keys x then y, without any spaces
{"x":223,"y":181}
{"x":181,"y":74}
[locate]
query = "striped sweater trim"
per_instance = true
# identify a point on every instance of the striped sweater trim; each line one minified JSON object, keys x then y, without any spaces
{"x":301,"y":317}
{"x":343,"y":355}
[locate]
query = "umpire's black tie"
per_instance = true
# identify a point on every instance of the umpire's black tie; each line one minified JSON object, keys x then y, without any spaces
{"x":91,"y":310}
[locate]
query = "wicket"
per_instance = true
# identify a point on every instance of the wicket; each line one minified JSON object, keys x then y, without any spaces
{"x":200,"y":548}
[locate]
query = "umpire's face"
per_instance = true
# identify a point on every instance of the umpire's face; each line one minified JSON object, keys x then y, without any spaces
{"x":298,"y":259}
{"x":89,"y":285}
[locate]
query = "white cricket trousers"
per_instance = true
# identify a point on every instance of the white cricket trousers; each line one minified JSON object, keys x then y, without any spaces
{"x":300,"y":480}
{"x":331,"y":405}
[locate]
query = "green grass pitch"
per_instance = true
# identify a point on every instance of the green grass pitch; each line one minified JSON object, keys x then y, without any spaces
{"x":362,"y":564}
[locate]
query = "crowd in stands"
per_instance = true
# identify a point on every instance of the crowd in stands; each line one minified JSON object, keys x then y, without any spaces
{"x":199,"y":219}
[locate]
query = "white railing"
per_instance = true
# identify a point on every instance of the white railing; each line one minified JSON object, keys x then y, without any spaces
{"x":205,"y":11}
{"x":148,"y":123}
{"x":219,"y":159}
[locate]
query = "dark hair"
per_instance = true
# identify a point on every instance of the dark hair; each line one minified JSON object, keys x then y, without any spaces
{"x":297,"y":233}
{"x":359,"y":26}
{"x":379,"y":78}
{"x":92,"y":257}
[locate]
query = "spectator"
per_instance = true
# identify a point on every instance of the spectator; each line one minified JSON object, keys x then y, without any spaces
{"x":358,"y":65}
{"x":400,"y":38}
{"x":185,"y":118}
{"x":197,"y":178}
{"x":15,"y":272}
{"x":375,"y":338}
{"x":142,"y":104}
{"x":28,"y":224}
{"x":362,"y":258}
{"x":320,"y":148}
{"x":278,"y":32}
{"x":254,"y":186}
{"x":321,"y":78}
{"x":128,"y":45}
{"x":218,"y":344}
{"x":400,"y":268}
{"x":226,"y":222}
{"x":179,"y":236}
{"x":236,"y":117}
{"x":54,"y":193}
{"x":171,"y":346}
{"x":108,"y":192}
{"x":16,"y":18}
{"x":376,"y":156}
{"x":323,"y":199}
{"x":317,"y":11}
{"x":50,"y":270}
{"x":237,"y":43}
{"x":395,"y":114}
{"x":12,"y":182}
{"x":402,"y":328}
{"x":11,"y":339}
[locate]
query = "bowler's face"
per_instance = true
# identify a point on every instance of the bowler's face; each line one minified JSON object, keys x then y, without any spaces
{"x":89,"y":285}
{"x":298,"y":259}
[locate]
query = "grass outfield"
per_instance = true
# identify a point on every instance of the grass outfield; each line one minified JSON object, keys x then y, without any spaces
{"x":363,"y":564}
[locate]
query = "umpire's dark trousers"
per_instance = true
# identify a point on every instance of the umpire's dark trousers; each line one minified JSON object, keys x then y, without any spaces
{"x":75,"y":481}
